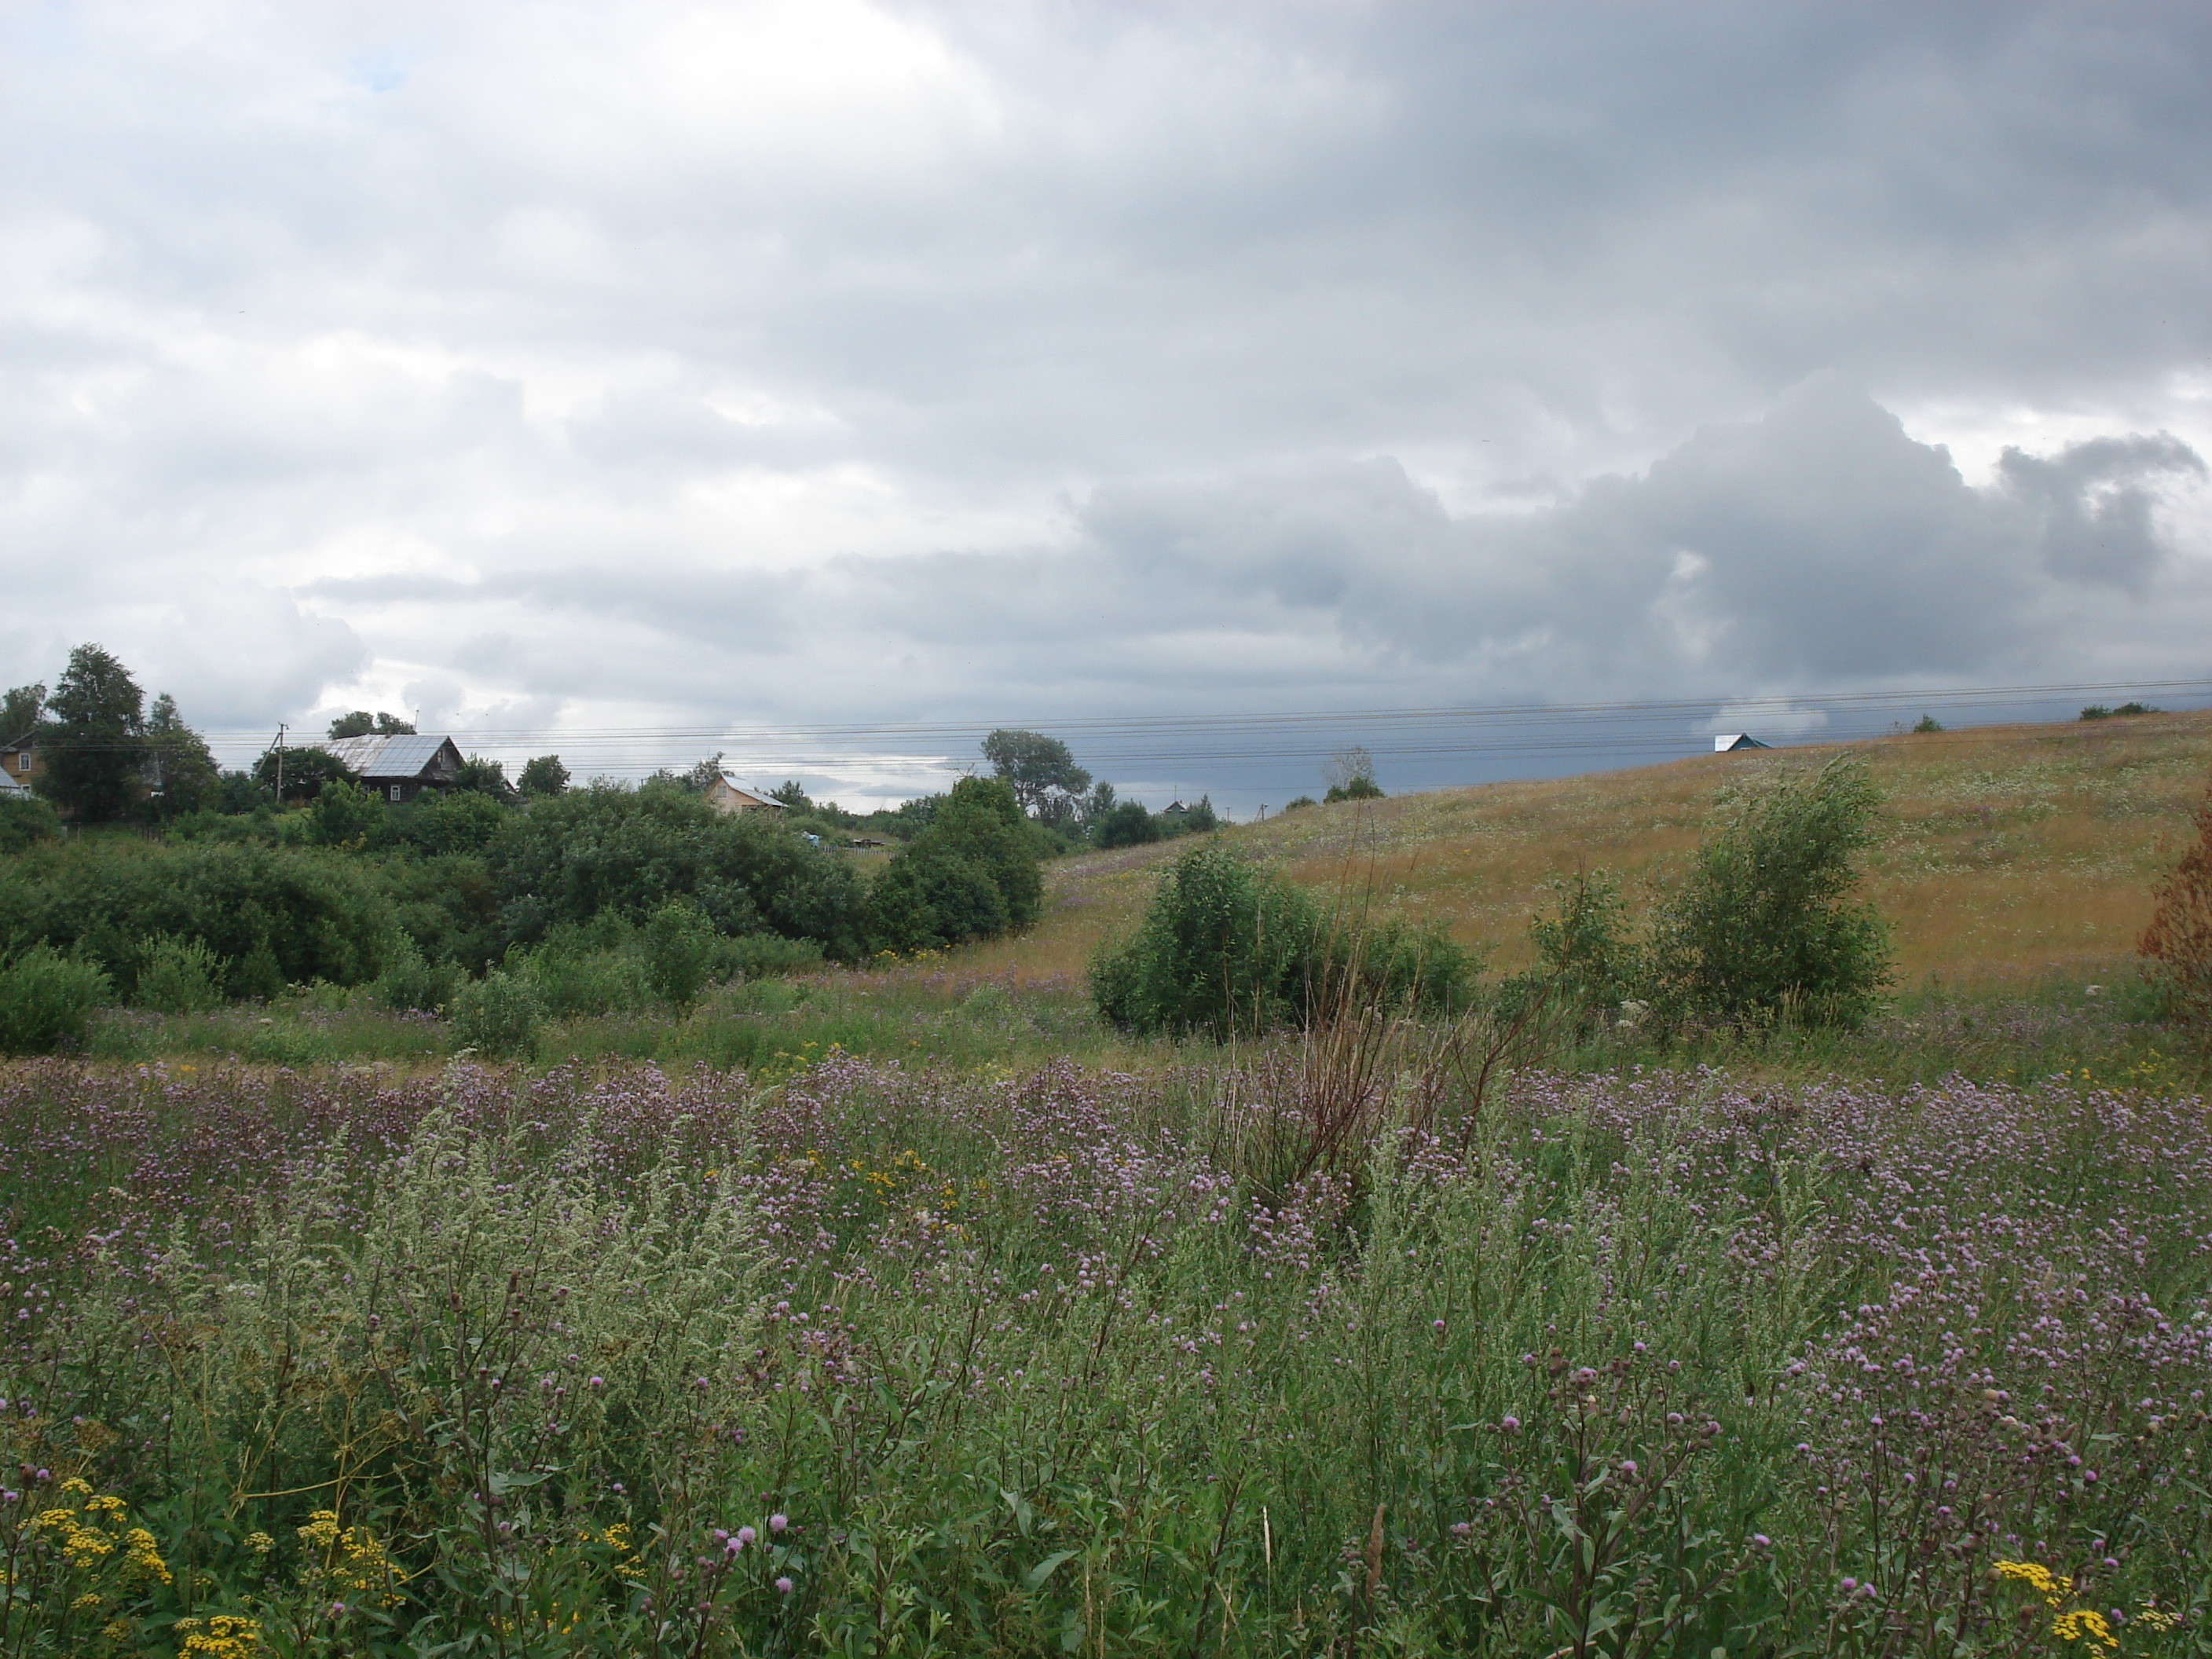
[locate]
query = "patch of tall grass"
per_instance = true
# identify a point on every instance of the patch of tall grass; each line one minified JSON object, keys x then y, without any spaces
{"x":886,"y":1360}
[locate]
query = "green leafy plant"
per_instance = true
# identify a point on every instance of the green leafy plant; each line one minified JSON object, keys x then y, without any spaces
{"x":973,"y":874}
{"x":1765,"y":926}
{"x":498,"y":1014}
{"x":46,"y":999}
{"x":410,"y":980}
{"x":680,"y":950}
{"x":1226,"y":948}
{"x":25,"y":821}
{"x":178,"y":975}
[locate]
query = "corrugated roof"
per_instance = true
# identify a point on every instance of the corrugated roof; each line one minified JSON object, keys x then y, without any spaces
{"x":402,"y":756}
{"x":757,"y":797}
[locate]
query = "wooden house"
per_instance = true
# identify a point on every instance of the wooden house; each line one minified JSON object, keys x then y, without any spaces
{"x":398,"y":767}
{"x":20,"y":764}
{"x":736,"y":800}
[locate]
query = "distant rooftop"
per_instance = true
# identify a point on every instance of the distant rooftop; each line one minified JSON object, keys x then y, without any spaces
{"x":405,"y":756}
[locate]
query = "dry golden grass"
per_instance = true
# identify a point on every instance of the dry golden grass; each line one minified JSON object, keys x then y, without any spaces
{"x":2005,"y":852}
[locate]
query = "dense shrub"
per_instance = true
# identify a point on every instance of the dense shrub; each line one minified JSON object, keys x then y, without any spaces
{"x":178,"y":975}
{"x":677,"y":943}
{"x":972,"y":874}
{"x":1765,"y":927}
{"x":1226,"y":948}
{"x":345,"y":816}
{"x":605,"y":849}
{"x":498,"y":1014}
{"x":1586,"y":953}
{"x":1126,"y":824}
{"x":449,"y":905}
{"x":409,"y":980}
{"x":46,"y":999}
{"x":463,"y":822}
{"x":268,"y":915}
{"x":1229,"y":948}
{"x":572,"y":979}
{"x":26,"y":820}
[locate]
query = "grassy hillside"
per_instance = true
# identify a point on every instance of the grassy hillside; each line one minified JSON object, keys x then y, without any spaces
{"x":2005,"y":852}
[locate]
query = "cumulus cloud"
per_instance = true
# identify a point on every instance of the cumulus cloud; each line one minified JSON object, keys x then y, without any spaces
{"x":555,"y":365}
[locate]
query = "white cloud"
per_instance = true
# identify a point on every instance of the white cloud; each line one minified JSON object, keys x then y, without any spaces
{"x":673,"y":365}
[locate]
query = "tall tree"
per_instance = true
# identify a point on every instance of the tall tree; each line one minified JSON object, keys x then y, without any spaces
{"x":484,"y":777}
{"x":21,"y":711}
{"x":362,"y":724}
{"x":303,"y":770}
{"x":181,"y":771}
{"x":544,"y":775}
{"x":1039,"y":769}
{"x":93,"y":738}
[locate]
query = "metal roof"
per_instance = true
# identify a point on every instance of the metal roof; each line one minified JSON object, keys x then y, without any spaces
{"x":408,"y":756}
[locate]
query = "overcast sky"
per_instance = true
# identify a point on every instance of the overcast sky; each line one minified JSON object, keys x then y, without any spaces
{"x":612,"y":367}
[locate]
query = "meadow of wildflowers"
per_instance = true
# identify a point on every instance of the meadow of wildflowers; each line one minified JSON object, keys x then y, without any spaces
{"x":887,"y":1359}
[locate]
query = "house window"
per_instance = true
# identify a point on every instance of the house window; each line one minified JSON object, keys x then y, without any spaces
{"x":23,"y":761}
{"x":395,"y":792}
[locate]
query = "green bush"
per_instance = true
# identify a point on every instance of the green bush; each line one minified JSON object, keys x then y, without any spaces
{"x":345,"y":816}
{"x":410,"y":980}
{"x":1359,"y":788}
{"x":1586,"y":947}
{"x":448,"y":904}
{"x":46,"y":999}
{"x":1765,"y":927}
{"x":570,"y":857}
{"x":1227,"y":948}
{"x":973,"y":874}
{"x":26,"y":820}
{"x":679,"y":950}
{"x":569,"y":980}
{"x":179,"y":975}
{"x":464,"y":821}
{"x":1127,"y":824}
{"x":272,"y":916}
{"x":498,"y":1014}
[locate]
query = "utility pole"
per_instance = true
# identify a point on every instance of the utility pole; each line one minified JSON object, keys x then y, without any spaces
{"x":280,"y":729}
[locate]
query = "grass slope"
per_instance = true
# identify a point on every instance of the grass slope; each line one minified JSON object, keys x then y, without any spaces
{"x":2005,"y":852}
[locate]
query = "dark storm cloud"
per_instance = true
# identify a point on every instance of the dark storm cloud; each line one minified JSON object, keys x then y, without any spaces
{"x":1819,"y":544}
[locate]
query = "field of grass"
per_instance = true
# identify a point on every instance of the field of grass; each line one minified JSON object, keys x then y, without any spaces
{"x":2005,"y":852}
{"x":913,"y":1311}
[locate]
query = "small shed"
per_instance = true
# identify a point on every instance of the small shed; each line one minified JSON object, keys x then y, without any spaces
{"x":398,"y":767}
{"x":1729,"y":742}
{"x":736,"y":800}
